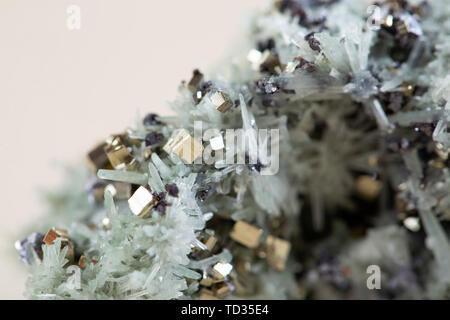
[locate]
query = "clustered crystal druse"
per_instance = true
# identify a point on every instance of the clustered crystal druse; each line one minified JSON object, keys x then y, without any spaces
{"x":358,"y":95}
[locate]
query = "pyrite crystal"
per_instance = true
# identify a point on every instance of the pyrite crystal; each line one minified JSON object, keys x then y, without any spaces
{"x":97,"y":158}
{"x":142,"y":202}
{"x":184,"y":146}
{"x":118,"y":153}
{"x":58,"y":233}
{"x":221,"y":101}
{"x":354,"y":108}
{"x":197,"y":78}
{"x":246,"y":234}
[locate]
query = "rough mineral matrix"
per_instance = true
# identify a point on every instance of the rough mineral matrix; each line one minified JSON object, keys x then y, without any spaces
{"x":337,"y":186}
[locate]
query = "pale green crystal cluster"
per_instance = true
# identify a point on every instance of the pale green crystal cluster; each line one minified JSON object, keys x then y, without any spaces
{"x":351,"y":95}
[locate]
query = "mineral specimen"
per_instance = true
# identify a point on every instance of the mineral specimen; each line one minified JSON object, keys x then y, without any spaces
{"x":359,"y":104}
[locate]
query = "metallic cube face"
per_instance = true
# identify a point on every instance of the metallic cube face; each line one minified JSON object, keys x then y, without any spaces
{"x":117,"y":153}
{"x":269,"y":62}
{"x":96,"y":159}
{"x":55,"y":233}
{"x":246,"y":234}
{"x":195,"y":81}
{"x":222,"y":270}
{"x":277,"y":252}
{"x":185,"y":146}
{"x":142,"y":202}
{"x":221,"y":101}
{"x":217,"y":143}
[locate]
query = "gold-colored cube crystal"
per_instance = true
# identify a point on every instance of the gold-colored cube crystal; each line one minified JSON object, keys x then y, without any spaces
{"x":195,"y":81}
{"x":209,"y":281}
{"x":206,"y":294}
{"x":115,"y":140}
{"x":184,"y":145}
{"x":222,"y":270}
{"x":277,"y":252}
{"x":217,"y":143}
{"x":221,"y":290}
{"x":221,"y":101}
{"x":118,"y":156}
{"x":55,"y":233}
{"x":142,"y":202}
{"x":117,"y":153}
{"x":96,"y":159}
{"x":269,"y":62}
{"x":210,"y":243}
{"x":368,"y":188}
{"x":246,"y":234}
{"x":70,"y":254}
{"x":209,"y":239}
